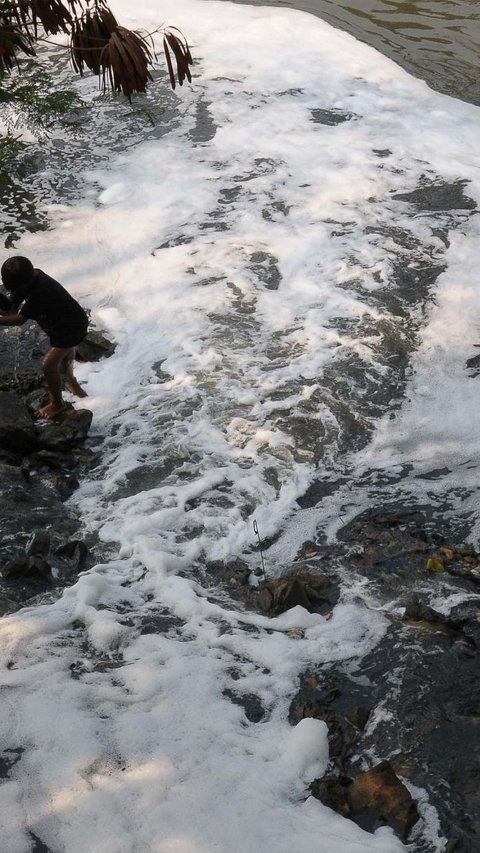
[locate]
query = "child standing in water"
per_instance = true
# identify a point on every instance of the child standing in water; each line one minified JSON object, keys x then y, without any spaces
{"x":36,"y":296}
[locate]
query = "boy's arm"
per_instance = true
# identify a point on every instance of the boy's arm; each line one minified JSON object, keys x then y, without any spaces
{"x":12,"y":320}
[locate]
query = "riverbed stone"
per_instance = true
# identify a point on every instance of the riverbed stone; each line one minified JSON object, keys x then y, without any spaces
{"x":17,"y":430}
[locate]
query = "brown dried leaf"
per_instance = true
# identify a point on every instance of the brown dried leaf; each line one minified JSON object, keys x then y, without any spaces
{"x":173,"y":82}
{"x":90,"y":34}
{"x":181,"y":58}
{"x":125,"y":58}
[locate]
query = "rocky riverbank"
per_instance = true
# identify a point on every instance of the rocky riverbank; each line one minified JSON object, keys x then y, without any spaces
{"x":43,"y":547}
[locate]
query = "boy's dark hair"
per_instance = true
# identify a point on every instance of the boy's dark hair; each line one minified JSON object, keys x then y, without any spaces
{"x":17,"y":273}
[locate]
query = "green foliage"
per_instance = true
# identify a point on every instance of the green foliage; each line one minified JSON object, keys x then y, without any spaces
{"x":10,"y":148}
{"x":32,"y":95}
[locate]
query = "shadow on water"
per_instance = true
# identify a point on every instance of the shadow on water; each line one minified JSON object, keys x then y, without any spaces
{"x":438,"y":42}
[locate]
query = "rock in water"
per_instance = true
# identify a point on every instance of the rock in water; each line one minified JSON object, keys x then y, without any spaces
{"x":379,"y":793}
{"x":315,"y":593}
{"x":375,"y":798}
{"x":34,"y":566}
{"x":39,"y":544}
{"x":17,"y":430}
{"x":65,"y":430}
{"x":94,"y":347}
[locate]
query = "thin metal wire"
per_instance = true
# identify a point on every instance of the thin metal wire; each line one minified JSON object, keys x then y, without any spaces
{"x":255,"y":530}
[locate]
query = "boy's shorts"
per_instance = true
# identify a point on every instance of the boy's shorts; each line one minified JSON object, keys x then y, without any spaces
{"x":69,"y":338}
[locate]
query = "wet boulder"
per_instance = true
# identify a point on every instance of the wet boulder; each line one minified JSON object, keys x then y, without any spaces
{"x":344,"y":717}
{"x":94,"y":347}
{"x":65,"y":431}
{"x":316,"y":593}
{"x":21,"y":381}
{"x":417,"y":611}
{"x":378,"y":797}
{"x":333,"y":793}
{"x":232,"y":573}
{"x":375,"y":798}
{"x":52,"y":460}
{"x":39,"y":544}
{"x":17,"y":430}
{"x":463,"y":622}
{"x":27,"y":566}
{"x":75,"y":551}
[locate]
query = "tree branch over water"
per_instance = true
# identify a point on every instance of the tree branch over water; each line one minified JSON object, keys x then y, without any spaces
{"x":122,"y":58}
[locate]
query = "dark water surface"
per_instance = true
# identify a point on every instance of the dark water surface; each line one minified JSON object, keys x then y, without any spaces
{"x":434,"y":40}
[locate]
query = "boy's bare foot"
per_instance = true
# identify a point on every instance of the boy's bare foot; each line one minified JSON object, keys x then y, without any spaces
{"x":73,"y":386}
{"x":48,"y":411}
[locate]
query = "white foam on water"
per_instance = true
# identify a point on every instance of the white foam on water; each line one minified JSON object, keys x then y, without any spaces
{"x":243,"y":262}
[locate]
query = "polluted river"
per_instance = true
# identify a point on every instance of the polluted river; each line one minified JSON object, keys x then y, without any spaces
{"x":253,"y":594}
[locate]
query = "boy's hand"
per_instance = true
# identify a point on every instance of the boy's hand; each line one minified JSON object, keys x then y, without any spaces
{"x":5,"y":304}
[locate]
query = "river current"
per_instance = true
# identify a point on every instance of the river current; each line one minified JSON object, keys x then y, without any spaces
{"x":285,"y":256}
{"x":437,"y":41}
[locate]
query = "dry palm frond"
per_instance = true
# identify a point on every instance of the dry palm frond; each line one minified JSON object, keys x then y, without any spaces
{"x":124,"y":62}
{"x":181,"y":51}
{"x":12,"y":41}
{"x":90,"y":35}
{"x":53,"y":15}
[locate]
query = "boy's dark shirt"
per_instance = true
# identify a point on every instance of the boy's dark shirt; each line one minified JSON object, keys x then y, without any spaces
{"x":55,"y":311}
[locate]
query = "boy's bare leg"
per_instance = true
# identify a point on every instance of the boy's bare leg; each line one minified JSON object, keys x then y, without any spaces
{"x":52,"y":366}
{"x":71,"y":383}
